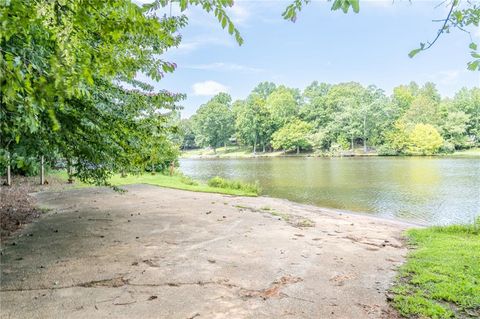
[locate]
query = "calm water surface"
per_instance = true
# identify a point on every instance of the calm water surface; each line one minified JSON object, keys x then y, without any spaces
{"x":424,"y":190}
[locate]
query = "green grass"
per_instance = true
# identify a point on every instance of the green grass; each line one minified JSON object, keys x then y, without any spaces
{"x":470,"y":152}
{"x":218,"y":182}
{"x":441,"y":278}
{"x":229,"y":152}
{"x":177,"y":181}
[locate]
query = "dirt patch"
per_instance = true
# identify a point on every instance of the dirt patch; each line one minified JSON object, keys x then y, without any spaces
{"x":111,"y":283}
{"x":273,"y":291}
{"x":17,"y":207}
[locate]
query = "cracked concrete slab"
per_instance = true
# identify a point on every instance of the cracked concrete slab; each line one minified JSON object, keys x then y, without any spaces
{"x":162,"y":253}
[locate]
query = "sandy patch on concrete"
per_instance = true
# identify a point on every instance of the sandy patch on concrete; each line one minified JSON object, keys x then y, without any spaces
{"x":162,"y":253}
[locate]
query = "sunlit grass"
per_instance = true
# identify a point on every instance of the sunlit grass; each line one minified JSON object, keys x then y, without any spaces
{"x":441,"y":278}
{"x":470,"y":152}
{"x":229,"y":152}
{"x":177,"y":181}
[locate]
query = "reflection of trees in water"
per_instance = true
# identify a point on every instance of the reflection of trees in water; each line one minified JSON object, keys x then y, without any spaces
{"x":413,"y":189}
{"x":434,"y":190}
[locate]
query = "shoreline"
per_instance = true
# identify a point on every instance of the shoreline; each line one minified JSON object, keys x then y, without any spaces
{"x":337,"y":211}
{"x":243,"y":154}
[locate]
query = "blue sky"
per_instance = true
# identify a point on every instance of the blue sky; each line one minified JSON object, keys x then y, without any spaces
{"x":370,"y":47}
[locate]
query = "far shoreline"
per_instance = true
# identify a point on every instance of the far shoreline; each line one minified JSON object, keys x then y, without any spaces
{"x":233,"y":152}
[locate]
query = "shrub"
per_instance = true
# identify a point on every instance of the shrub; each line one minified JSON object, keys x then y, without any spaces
{"x":219,"y":182}
{"x":188,"y":180}
{"x":424,"y":139}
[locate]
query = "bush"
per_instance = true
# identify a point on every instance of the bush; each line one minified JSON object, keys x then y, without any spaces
{"x":424,"y":139}
{"x":188,"y":180}
{"x":219,"y":182}
{"x":387,"y":150}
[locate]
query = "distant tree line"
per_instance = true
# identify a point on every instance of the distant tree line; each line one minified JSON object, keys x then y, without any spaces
{"x":331,"y":118}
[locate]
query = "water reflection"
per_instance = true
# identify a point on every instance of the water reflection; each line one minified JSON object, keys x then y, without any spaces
{"x":429,"y":190}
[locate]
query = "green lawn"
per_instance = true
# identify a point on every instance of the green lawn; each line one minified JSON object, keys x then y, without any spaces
{"x":441,"y":278}
{"x":470,"y":152}
{"x":229,"y":152}
{"x":176,"y":181}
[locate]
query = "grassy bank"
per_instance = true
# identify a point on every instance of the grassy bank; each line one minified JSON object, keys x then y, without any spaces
{"x":177,"y":181}
{"x":441,"y":278}
{"x":471,"y":152}
{"x":247,"y":152}
{"x":229,"y":152}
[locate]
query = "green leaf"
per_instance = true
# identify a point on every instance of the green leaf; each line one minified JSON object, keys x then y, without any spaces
{"x":473,"y":46}
{"x":183,"y":5}
{"x":414,"y":52}
{"x":336,"y":4}
{"x":473,"y":66}
{"x":355,"y":5}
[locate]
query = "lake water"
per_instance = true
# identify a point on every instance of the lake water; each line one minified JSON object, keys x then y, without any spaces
{"x":437,"y":190}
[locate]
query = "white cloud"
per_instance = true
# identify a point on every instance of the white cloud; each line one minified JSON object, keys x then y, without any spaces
{"x":222,"y":66}
{"x":447,"y":77}
{"x":209,"y":88}
{"x":239,"y":13}
{"x":198,"y":42}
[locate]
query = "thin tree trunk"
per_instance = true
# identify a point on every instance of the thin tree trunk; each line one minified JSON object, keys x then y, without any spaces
{"x":9,"y":176}
{"x":365,"y":133}
{"x":42,"y":170}
{"x":225,"y":145}
{"x":255,"y":145}
{"x":352,"y":143}
{"x":264,"y":148}
{"x":69,"y":172}
{"x":298,"y":149}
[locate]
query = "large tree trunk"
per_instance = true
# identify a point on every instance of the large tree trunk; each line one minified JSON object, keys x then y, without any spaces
{"x":42,"y":170}
{"x":264,"y":148}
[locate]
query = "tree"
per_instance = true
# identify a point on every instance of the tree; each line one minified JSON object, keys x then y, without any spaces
{"x":264,"y":89}
{"x":424,"y":139}
{"x":396,"y":140}
{"x":422,"y":110}
{"x":282,"y":106}
{"x":454,"y":129}
{"x":253,"y":121}
{"x":468,"y":101}
{"x":214,"y":122}
{"x":314,"y":110}
{"x":344,"y":105}
{"x":294,"y":135}
{"x":188,"y":134}
{"x":64,"y":67}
